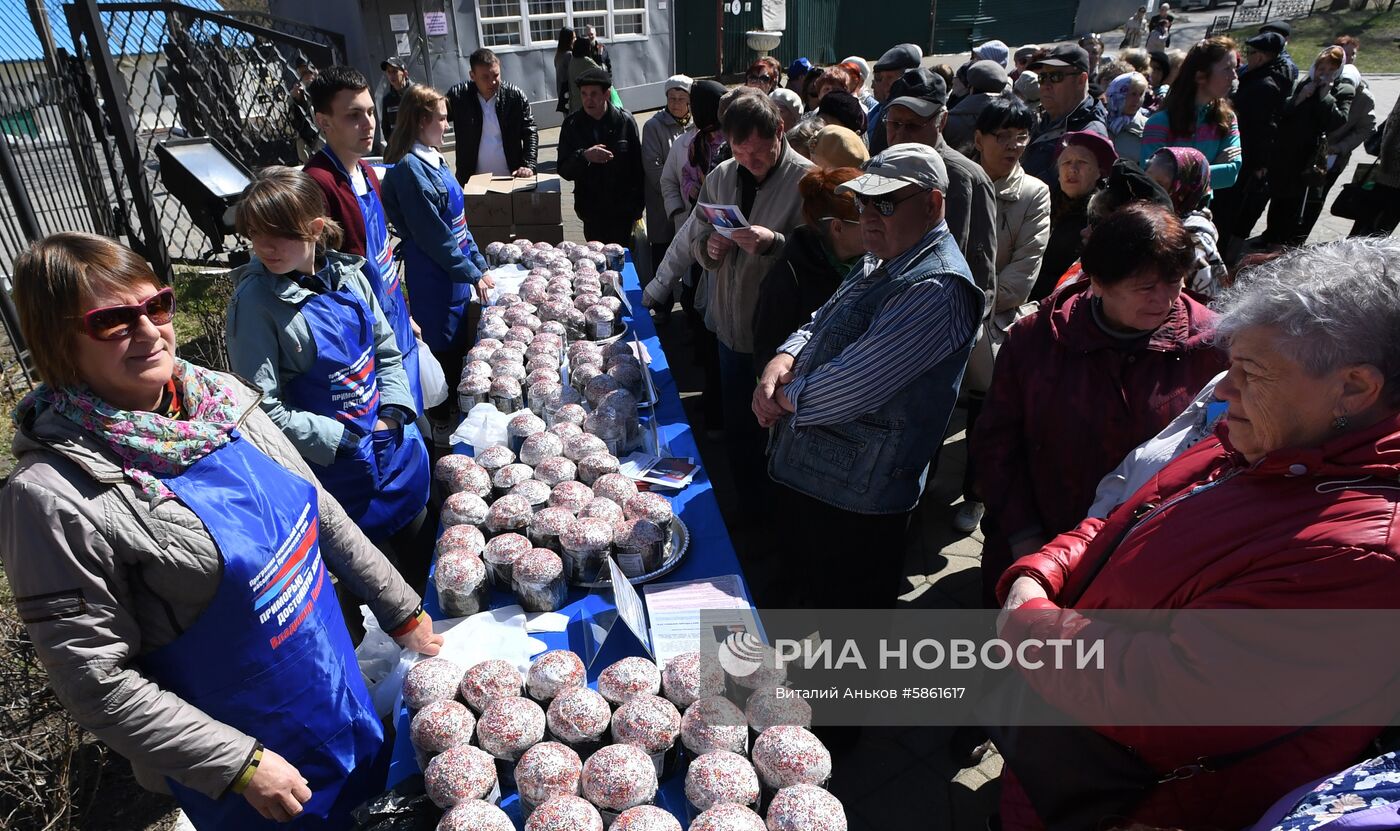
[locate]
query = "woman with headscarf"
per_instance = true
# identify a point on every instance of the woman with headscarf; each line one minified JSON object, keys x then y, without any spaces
{"x":1126,"y":115}
{"x":1185,"y":174}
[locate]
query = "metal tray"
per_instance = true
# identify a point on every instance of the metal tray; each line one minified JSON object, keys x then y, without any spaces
{"x":680,"y":544}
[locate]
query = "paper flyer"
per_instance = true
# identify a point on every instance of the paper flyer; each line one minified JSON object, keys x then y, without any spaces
{"x":675,"y":612}
{"x":726,"y":219}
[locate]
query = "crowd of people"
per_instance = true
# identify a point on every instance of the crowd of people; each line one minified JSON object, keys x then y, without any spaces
{"x":1056,"y":238}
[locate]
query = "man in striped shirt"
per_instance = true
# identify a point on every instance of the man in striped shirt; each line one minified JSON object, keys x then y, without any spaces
{"x":860,"y":397}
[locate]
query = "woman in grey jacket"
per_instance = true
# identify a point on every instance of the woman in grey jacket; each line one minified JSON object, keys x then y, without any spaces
{"x":168,"y":551}
{"x":304,"y":326}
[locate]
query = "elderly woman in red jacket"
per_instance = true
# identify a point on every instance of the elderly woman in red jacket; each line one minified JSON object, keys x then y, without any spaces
{"x":1290,"y":505}
{"x":1103,"y":366}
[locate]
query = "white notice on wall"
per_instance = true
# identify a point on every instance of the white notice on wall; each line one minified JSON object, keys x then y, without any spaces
{"x":435,"y":23}
{"x":398,"y":23}
{"x":401,"y":46}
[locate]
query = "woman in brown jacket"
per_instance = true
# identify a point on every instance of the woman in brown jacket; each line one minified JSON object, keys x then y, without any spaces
{"x":168,"y":551}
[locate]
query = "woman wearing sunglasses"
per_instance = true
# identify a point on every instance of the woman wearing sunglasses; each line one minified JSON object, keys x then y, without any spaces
{"x":304,"y":326}
{"x":1023,"y":228}
{"x":156,"y":518}
{"x":819,"y":254}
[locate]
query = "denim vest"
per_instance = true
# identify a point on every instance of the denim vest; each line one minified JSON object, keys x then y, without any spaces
{"x":877,"y":463}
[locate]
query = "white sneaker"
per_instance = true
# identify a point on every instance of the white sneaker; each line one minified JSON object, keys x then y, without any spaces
{"x":969,"y":516}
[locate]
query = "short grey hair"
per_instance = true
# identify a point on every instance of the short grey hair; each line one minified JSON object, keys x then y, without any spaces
{"x":1336,"y":304}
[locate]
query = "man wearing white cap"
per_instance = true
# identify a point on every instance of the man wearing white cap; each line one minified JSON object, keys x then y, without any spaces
{"x":860,"y":397}
{"x":658,"y":134}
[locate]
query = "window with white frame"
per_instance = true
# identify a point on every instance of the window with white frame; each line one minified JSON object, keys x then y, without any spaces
{"x":510,"y":25}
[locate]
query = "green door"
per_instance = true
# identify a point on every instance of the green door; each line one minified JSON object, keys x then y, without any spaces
{"x":697,"y":37}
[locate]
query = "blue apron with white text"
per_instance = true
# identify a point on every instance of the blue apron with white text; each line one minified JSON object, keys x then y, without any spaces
{"x":442,"y":301}
{"x":270,"y":656}
{"x":384,"y":484}
{"x":383,"y":276}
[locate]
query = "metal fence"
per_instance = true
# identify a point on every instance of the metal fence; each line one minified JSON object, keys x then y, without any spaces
{"x":89,"y":89}
{"x":166,"y":70}
{"x":1253,"y":14}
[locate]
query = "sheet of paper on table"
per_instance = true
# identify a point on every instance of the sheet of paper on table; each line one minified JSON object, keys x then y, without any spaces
{"x":676,"y":611}
{"x":662,"y":471}
{"x":726,"y":219}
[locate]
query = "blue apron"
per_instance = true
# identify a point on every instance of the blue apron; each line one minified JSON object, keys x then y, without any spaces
{"x":270,"y":656}
{"x":383,"y":276}
{"x":385,"y":483}
{"x":442,"y":301}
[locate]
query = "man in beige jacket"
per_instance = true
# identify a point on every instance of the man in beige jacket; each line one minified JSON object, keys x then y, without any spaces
{"x":761,"y":180}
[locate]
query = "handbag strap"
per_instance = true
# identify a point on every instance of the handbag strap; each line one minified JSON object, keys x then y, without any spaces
{"x":1215,"y":764}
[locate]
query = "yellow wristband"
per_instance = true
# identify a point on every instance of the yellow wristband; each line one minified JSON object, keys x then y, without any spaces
{"x":249,"y":770}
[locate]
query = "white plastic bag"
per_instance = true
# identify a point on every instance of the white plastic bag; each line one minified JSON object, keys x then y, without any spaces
{"x":383,"y":664}
{"x":431,"y":376}
{"x":483,"y":427}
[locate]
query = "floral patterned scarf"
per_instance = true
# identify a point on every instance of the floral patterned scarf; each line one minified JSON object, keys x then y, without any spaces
{"x":149,"y":444}
{"x":1190,"y":185}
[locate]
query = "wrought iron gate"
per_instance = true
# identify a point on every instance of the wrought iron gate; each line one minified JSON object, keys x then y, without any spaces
{"x":88,"y":90}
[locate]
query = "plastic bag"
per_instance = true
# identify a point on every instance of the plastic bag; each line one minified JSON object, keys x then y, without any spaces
{"x":431,"y":376}
{"x":383,"y":664}
{"x":405,"y":807}
{"x":484,"y":426}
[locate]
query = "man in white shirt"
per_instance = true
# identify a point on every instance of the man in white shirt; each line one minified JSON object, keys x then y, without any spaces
{"x":494,"y":123}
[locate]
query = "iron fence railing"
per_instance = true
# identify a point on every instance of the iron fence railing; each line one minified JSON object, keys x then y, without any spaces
{"x":167,"y":70}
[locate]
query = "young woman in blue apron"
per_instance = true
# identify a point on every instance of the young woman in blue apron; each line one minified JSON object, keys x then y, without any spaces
{"x":383,"y":274}
{"x":169,"y":555}
{"x":305,"y":327}
{"x":441,"y":260}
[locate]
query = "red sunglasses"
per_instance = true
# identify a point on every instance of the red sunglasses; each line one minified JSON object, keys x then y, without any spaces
{"x":116,"y":322}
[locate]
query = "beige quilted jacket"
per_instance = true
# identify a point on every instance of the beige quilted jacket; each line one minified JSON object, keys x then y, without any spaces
{"x":100,"y":577}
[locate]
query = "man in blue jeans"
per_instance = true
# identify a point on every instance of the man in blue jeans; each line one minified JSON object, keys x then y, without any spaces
{"x":860,"y":397}
{"x":761,"y":181}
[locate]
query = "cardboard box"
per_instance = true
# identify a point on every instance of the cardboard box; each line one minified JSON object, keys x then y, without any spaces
{"x":487,"y":234}
{"x":488,"y":201}
{"x":536,"y":201}
{"x":553,"y":234}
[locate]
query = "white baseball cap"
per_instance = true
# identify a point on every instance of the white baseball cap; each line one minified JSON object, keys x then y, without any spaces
{"x":898,"y":167}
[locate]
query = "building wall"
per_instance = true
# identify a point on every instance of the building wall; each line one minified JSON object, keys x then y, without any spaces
{"x":640,"y":67}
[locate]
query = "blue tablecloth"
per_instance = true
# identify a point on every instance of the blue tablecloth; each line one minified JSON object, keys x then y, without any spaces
{"x":711,"y":554}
